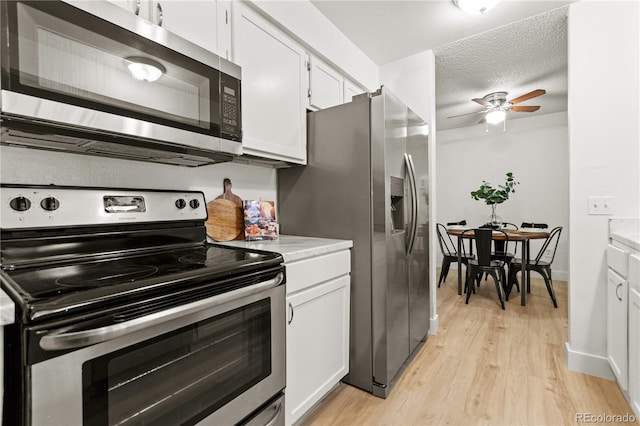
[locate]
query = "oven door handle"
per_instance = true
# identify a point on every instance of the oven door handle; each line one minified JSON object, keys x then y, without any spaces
{"x":64,"y":339}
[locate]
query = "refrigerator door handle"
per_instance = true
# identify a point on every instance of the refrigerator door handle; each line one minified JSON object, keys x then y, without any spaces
{"x":414,"y":202}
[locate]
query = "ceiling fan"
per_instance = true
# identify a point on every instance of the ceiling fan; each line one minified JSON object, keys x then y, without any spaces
{"x":496,"y":106}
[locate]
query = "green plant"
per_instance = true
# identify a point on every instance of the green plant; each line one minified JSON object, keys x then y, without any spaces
{"x":492,"y":195}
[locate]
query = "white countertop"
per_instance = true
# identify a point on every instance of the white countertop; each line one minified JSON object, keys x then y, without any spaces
{"x":292,"y":247}
{"x":7,"y":310}
{"x":625,"y":231}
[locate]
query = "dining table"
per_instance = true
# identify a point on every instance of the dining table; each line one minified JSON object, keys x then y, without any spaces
{"x":520,"y":235}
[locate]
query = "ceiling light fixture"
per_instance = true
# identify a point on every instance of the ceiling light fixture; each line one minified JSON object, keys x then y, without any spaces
{"x":144,"y":69}
{"x":476,"y":7}
{"x":496,"y":116}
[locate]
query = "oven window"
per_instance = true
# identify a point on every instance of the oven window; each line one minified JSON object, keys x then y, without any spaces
{"x":183,"y":376}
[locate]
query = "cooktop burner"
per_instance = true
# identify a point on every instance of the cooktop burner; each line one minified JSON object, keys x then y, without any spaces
{"x":97,"y":274}
{"x":55,"y":280}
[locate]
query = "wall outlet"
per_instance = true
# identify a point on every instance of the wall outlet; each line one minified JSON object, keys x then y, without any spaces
{"x":601,"y":205}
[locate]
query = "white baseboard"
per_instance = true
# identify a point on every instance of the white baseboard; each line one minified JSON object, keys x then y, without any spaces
{"x":593,"y":365}
{"x":433,"y":328}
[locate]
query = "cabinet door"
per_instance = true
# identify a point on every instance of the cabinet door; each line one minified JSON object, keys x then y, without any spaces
{"x":634,"y":350}
{"x":193,"y":20}
{"x":274,"y":87}
{"x":141,"y":8}
{"x":617,"y":326}
{"x":317,"y":344}
{"x":350,"y":90}
{"x":325,"y":83}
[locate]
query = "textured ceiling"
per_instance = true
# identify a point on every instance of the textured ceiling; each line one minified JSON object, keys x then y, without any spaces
{"x":517,"y":47}
{"x":516,"y":58}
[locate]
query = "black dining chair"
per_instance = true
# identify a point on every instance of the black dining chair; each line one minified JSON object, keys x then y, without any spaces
{"x":484,"y":263}
{"x":539,"y":265}
{"x":449,"y":252}
{"x":502,"y":249}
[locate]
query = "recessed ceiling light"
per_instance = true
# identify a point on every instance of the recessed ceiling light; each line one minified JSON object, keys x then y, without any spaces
{"x":476,"y":7}
{"x":144,"y":69}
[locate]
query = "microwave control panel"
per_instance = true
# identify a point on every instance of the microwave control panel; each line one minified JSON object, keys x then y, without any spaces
{"x":230,"y":107}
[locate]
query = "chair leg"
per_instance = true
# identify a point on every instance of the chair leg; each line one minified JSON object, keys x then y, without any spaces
{"x":444,"y":269}
{"x":468,"y":286}
{"x":513,"y":279}
{"x":549,"y":283}
{"x":447,"y":268}
{"x":498,"y":283}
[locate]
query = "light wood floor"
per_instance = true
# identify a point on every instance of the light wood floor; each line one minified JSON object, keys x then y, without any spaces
{"x":485,"y":366}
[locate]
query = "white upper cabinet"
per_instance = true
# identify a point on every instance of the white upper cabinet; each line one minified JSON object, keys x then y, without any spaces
{"x":203,"y":22}
{"x":325,"y":85}
{"x":274,"y":87}
{"x":351,"y":89}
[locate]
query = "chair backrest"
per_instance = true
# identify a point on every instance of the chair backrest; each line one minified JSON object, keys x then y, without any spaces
{"x":461,"y":223}
{"x":447,"y":246}
{"x":551,"y":241}
{"x":534,"y":225}
{"x":483,"y":238}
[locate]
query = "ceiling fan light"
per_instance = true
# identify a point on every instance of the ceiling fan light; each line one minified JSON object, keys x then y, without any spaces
{"x":476,"y":7}
{"x":144,"y":69}
{"x":496,"y":116}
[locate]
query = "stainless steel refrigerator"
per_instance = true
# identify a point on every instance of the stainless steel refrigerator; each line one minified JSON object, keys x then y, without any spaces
{"x":366,"y":180}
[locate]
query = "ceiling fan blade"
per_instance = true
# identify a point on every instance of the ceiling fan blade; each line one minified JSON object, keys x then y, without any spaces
{"x":525,"y":108}
{"x":481,"y":101}
{"x":469,"y":113}
{"x":482,"y":120}
{"x":533,"y":94}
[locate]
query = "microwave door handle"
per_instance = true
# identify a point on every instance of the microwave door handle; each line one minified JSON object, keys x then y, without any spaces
{"x":64,"y":339}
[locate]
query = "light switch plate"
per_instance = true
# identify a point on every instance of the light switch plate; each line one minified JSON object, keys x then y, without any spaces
{"x":601,"y":205}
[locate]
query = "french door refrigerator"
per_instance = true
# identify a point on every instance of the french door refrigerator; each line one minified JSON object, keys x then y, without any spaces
{"x":366,"y":180}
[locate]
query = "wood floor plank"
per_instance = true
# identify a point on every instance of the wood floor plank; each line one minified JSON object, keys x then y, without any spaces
{"x":485,"y":366}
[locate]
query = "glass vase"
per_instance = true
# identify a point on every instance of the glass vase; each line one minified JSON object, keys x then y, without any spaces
{"x":494,"y":220}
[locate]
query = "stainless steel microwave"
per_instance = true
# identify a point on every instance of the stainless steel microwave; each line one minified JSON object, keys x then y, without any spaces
{"x":90,"y":77}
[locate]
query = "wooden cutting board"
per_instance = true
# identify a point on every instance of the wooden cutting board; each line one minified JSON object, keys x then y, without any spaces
{"x":225,"y":222}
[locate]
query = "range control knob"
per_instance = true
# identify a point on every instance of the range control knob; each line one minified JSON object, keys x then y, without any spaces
{"x":20,"y":204}
{"x":194,"y":204}
{"x":50,"y":204}
{"x":181,"y":203}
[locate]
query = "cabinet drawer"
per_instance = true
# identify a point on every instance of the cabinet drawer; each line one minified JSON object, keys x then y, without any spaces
{"x":634,"y":271}
{"x":308,"y":272}
{"x":617,"y":260}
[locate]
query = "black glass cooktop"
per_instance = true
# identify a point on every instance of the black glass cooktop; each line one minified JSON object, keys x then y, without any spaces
{"x":105,"y":276}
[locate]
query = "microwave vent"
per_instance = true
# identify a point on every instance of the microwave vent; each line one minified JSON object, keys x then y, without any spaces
{"x":51,"y":138}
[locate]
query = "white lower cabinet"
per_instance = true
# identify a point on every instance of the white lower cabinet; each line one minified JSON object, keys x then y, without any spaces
{"x":634,"y":350}
{"x":617,"y":326}
{"x":317,"y":337}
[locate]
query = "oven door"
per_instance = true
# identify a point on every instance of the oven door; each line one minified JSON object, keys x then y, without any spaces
{"x":214,"y":361}
{"x":64,"y":66}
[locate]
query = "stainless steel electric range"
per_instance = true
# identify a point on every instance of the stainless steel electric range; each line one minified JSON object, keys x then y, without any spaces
{"x":125,"y":315}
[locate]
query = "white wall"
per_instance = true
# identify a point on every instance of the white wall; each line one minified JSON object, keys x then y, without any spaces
{"x":604,"y":140}
{"x":535,"y":149}
{"x":413,"y":80}
{"x":31,"y":166}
